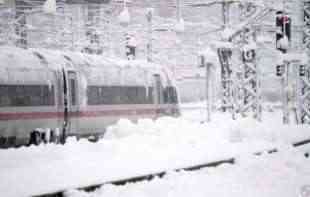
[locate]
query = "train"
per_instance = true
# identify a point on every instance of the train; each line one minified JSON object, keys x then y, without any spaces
{"x":76,"y":94}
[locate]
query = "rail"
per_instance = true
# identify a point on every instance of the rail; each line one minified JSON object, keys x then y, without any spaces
{"x":163,"y":173}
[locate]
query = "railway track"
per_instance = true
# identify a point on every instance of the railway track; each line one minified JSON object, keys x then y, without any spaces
{"x":161,"y":174}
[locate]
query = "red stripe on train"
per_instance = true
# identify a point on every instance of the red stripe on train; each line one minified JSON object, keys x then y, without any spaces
{"x":29,"y":115}
{"x":50,"y":115}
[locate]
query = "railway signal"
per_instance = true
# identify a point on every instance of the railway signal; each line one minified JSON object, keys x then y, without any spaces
{"x":130,"y":47}
{"x":302,"y":70}
{"x":201,"y":61}
{"x":283,"y":33}
{"x":279,"y":70}
{"x":283,"y":37}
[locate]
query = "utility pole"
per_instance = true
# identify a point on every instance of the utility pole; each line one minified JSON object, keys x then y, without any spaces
{"x":206,"y":63}
{"x":303,"y":89}
{"x":225,"y":54}
{"x":149,"y":16}
{"x":208,"y":66}
{"x":283,"y":24}
{"x":178,"y":11}
{"x":226,"y":13}
{"x":250,"y":82}
{"x":20,"y":25}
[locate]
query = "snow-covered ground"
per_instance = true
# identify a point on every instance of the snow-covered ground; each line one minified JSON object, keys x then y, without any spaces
{"x":133,"y":149}
{"x":283,"y":174}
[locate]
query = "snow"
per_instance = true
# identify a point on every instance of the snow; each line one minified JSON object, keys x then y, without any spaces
{"x":147,"y":146}
{"x":18,"y":58}
{"x":301,"y":58}
{"x":209,"y":55}
{"x":49,"y":7}
{"x":19,"y":65}
{"x":124,"y":17}
{"x":250,"y":46}
{"x":150,"y":11}
{"x":131,"y":149}
{"x":25,"y":63}
{"x":264,"y":39}
{"x":180,"y":26}
{"x":283,"y":43}
{"x":133,"y":41}
{"x":222,"y":44}
{"x":226,"y":33}
{"x":269,"y":175}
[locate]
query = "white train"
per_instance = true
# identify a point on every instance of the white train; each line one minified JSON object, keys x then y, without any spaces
{"x":76,"y":94}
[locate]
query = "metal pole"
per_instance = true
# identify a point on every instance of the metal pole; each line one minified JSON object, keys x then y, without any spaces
{"x":285,"y":95}
{"x":225,"y":13}
{"x":149,"y":16}
{"x":304,"y":70}
{"x":259,"y":94}
{"x":208,"y":97}
{"x":298,"y":100}
{"x":72,"y":34}
{"x":178,"y":11}
{"x":109,"y":33}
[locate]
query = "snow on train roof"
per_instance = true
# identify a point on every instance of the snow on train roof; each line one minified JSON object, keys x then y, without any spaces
{"x":118,"y":70}
{"x":18,"y":58}
{"x":19,"y":65}
{"x":54,"y":58}
{"x":13,"y":57}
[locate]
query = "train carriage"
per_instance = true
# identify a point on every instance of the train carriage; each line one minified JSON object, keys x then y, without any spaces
{"x":77,"y":94}
{"x":27,"y":96}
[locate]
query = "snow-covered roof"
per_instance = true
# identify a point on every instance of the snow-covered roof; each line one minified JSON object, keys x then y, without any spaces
{"x":54,"y":59}
{"x":18,"y":66}
{"x":12,"y":57}
{"x":95,"y":68}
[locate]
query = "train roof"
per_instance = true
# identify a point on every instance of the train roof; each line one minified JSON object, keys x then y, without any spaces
{"x":45,"y":60}
{"x":33,"y":58}
{"x":19,"y":66}
{"x":13,"y":57}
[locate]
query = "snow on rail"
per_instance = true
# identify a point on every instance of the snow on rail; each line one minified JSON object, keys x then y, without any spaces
{"x":132,"y":150}
{"x":284,"y":174}
{"x":297,"y":158}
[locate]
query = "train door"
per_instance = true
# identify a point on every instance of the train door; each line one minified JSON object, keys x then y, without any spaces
{"x":72,"y":101}
{"x":158,"y":90}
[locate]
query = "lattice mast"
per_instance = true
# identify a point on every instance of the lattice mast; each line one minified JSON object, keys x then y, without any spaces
{"x":225,"y":55}
{"x":249,"y":83}
{"x":303,"y":99}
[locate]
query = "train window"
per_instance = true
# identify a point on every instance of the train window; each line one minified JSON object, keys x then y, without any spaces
{"x":174,"y":98}
{"x":130,"y":95}
{"x":158,"y":91}
{"x":26,"y":95}
{"x":150,"y":97}
{"x":93,"y":95}
{"x":4,"y":97}
{"x":142,"y":96}
{"x":72,"y":91}
{"x":170,"y":95}
{"x":116,"y":95}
